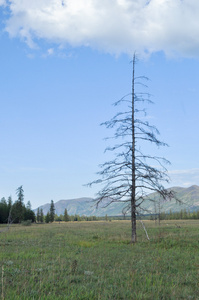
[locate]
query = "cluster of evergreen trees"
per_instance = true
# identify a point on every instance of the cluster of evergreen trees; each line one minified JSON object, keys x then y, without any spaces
{"x":66,"y":217}
{"x":181,"y":215}
{"x":16,"y":212}
{"x":50,"y":216}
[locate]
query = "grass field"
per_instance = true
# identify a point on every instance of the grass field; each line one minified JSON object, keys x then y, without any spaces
{"x":94,"y":260}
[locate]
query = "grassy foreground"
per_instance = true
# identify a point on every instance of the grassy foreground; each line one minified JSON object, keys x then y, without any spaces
{"x":94,"y":260}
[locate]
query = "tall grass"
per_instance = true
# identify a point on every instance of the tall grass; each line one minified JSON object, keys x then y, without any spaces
{"x":94,"y":260}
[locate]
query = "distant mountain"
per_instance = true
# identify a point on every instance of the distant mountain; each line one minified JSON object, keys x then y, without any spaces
{"x":83,"y":206}
{"x":86,"y":206}
{"x":189,"y":198}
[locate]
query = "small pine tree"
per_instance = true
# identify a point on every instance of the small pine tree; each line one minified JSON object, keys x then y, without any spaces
{"x":52,"y":211}
{"x":47,"y":218}
{"x":9,"y":209}
{"x":19,"y":203}
{"x":41,"y":216}
{"x":66,"y":216}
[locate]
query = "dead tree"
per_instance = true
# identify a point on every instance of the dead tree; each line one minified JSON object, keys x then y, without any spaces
{"x":131,"y":175}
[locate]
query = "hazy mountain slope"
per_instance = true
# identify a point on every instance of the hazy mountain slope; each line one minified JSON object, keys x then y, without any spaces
{"x":189,"y":198}
{"x":83,"y":206}
{"x":86,"y":206}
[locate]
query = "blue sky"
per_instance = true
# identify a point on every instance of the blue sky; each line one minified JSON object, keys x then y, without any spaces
{"x":63,"y":64}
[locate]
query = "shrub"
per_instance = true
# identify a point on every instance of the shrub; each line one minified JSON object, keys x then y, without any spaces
{"x":26,"y":223}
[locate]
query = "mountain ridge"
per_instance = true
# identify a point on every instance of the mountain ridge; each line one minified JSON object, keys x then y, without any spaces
{"x":86,"y":205}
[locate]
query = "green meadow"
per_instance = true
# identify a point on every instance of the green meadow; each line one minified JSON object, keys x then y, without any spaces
{"x":95,"y":260}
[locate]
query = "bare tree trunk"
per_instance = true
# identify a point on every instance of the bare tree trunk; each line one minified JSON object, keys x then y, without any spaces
{"x":133,"y":204}
{"x":133,"y":222}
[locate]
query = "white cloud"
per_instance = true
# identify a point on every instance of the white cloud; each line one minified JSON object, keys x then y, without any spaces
{"x":113,"y":26}
{"x":2,"y":2}
{"x":50,"y":51}
{"x":189,"y":171}
{"x":184,"y":178}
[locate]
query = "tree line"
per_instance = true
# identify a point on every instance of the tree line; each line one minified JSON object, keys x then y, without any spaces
{"x":16,"y":212}
{"x":51,"y":216}
{"x":183,"y":214}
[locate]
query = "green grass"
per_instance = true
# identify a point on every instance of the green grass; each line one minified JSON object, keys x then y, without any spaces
{"x":94,"y":260}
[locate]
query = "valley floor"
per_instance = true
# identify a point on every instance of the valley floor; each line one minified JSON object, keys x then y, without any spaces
{"x":95,"y":260}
